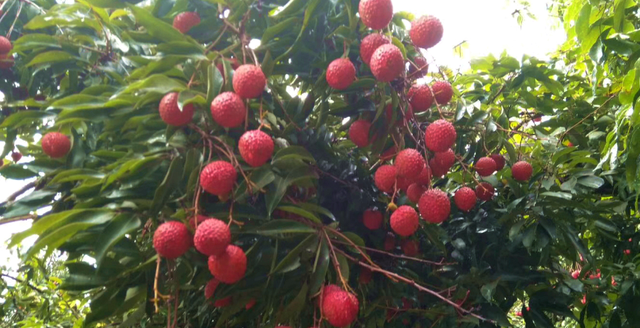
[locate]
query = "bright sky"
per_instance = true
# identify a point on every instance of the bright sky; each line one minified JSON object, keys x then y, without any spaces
{"x":487,"y":26}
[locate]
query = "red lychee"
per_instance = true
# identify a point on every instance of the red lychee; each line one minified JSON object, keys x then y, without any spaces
{"x":389,"y":153}
{"x":385,"y":178}
{"x":6,"y":61}
{"x":223,"y":302}
{"x":442,"y":91}
{"x":171,"y":113}
{"x":426,"y":31}
{"x":249,"y":81}
{"x":627,"y":252}
{"x":420,"y":97}
{"x":201,"y":218}
{"x":419,"y":68}
{"x":16,"y":156}
{"x":218,"y":178}
{"x":389,"y":242}
{"x":485,"y":166}
{"x":440,"y":136}
{"x":410,"y":247}
{"x":230,"y":266}
{"x":172,"y":239}
{"x":424,"y":178}
{"x":55,"y":144}
{"x":499,"y":159}
{"x":434,"y":206}
{"x":183,"y":22}
{"x":375,"y":14}
{"x":403,"y":183}
{"x":445,"y":159}
{"x":409,"y":163}
{"x":405,"y":221}
{"x":465,"y":199}
{"x":575,"y":274}
{"x":5,"y":45}
{"x":369,"y":44}
{"x":250,"y":304}
{"x":232,"y":61}
{"x":387,"y":63}
{"x":341,"y":73}
{"x":256,"y":147}
{"x":372,"y":219}
{"x":365,"y":276}
{"x":228,"y":110}
{"x":415,"y":191}
{"x":359,"y":133}
{"x":521,"y":171}
{"x":210,"y":288}
{"x":436,"y":170}
{"x":484,"y":191}
{"x":340,"y":307}
{"x":212,"y":237}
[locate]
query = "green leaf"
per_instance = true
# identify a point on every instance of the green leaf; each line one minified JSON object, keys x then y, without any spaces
{"x":280,"y":185}
{"x":292,"y":153}
{"x":400,"y":46}
{"x":563,"y":195}
{"x":215,"y":81}
{"x":301,"y":212}
{"x":170,"y":183}
{"x":53,"y":57}
{"x":296,"y":306}
{"x":121,"y":225}
{"x":618,"y":16}
{"x":294,"y":254}
{"x":343,"y":265}
{"x":156,"y":27}
{"x":106,"y":3}
{"x":591,"y":182}
{"x":280,"y":228}
{"x":19,"y":119}
{"x":320,"y":268}
{"x":16,"y":172}
{"x":260,"y":178}
{"x":274,"y":30}
{"x":158,"y":83}
{"x":488,"y":290}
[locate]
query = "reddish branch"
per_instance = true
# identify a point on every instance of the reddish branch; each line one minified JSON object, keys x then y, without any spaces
{"x":404,"y":257}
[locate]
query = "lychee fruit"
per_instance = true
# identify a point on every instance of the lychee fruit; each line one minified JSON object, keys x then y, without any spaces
{"x":405,"y":221}
{"x":484,"y":191}
{"x":409,"y":163}
{"x":359,"y":133}
{"x":340,"y":307}
{"x":499,"y":159}
{"x":442,"y":91}
{"x":434,"y":206}
{"x":575,"y":274}
{"x":250,"y":304}
{"x":440,"y":136}
{"x":372,"y":219}
{"x":249,"y":81}
{"x":389,"y":242}
{"x":521,"y":171}
{"x":627,"y":252}
{"x":5,"y":45}
{"x":385,"y":178}
{"x":365,"y":276}
{"x":218,"y":177}
{"x":172,"y":239}
{"x":183,"y":22}
{"x":389,"y":153}
{"x":485,"y":166}
{"x":55,"y":144}
{"x":171,"y":113}
{"x":256,"y":147}
{"x":375,"y":14}
{"x":387,"y":63}
{"x":212,"y":237}
{"x":210,"y":288}
{"x":6,"y":61}
{"x":16,"y":156}
{"x":410,"y":247}
{"x":223,"y":302}
{"x":201,"y":218}
{"x":424,"y":178}
{"x":369,"y":44}
{"x":445,"y":159}
{"x":426,"y":31}
{"x":420,"y":97}
{"x":228,"y":110}
{"x":419,"y":68}
{"x":232,"y":61}
{"x":230,"y":266}
{"x":436,"y":170}
{"x":402,"y":183}
{"x":341,"y":73}
{"x":415,"y":191}
{"x":465,"y":199}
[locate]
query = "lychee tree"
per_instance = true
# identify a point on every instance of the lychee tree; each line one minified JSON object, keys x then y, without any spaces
{"x":263,"y":163}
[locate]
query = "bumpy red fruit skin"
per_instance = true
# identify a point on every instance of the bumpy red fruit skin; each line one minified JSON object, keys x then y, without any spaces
{"x":389,"y":242}
{"x":341,"y":73}
{"x":425,"y":176}
{"x":389,"y":153}
{"x":375,"y":14}
{"x":440,"y":136}
{"x":499,"y":159}
{"x":434,"y":206}
{"x":249,"y":81}
{"x":387,"y":63}
{"x":436,"y":170}
{"x":420,"y":68}
{"x":403,"y":183}
{"x":340,"y":307}
{"x":409,"y":163}
{"x":484,"y":191}
{"x":359,"y":133}
{"x":426,"y":31}
{"x":385,"y":178}
{"x":410,"y":248}
{"x":5,"y":45}
{"x":465,"y":199}
{"x":56,"y":144}
{"x":415,"y":191}
{"x":442,"y":91}
{"x":256,"y":147}
{"x":171,"y":113}
{"x":230,"y":266}
{"x":172,"y":239}
{"x":183,"y":22}
{"x":420,"y":97}
{"x":485,"y":166}
{"x":192,"y":221}
{"x":445,"y":159}
{"x":405,"y":221}
{"x":210,"y":288}
{"x":212,"y":237}
{"x":16,"y":156}
{"x":223,"y":302}
{"x":6,"y":61}
{"x":369,"y":44}
{"x":218,"y":178}
{"x":372,"y":219}
{"x":521,"y":171}
{"x":228,"y":110}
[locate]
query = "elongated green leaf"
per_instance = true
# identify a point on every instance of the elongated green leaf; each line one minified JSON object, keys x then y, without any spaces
{"x":280,"y":185}
{"x":295,"y":253}
{"x":25,"y":117}
{"x":215,"y":81}
{"x":169,"y":185}
{"x":296,"y":306}
{"x":274,"y":30}
{"x":116,"y":230}
{"x":320,"y":267}
{"x":53,"y":57}
{"x":156,"y":27}
{"x":301,"y":212}
{"x":16,"y":172}
{"x":280,"y":228}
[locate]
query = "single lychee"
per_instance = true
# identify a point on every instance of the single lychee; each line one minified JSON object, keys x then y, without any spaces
{"x":250,"y":304}
{"x":405,"y":221}
{"x":365,"y":276}
{"x":499,"y":159}
{"x":172,"y":239}
{"x":256,"y":147}
{"x":424,"y":178}
{"x":419,"y":67}
{"x":445,"y":159}
{"x":230,"y":266}
{"x":627,"y":252}
{"x":521,"y":171}
{"x":212,"y":237}
{"x":249,"y":81}
{"x":388,"y":154}
{"x":369,"y":44}
{"x":409,"y":163}
{"x":223,"y":302}
{"x":414,"y":192}
{"x":465,"y":199}
{"x":575,"y":274}
{"x":340,"y":307}
{"x":442,"y":91}
{"x":389,"y":242}
{"x":359,"y":133}
{"x":372,"y":219}
{"x":485,"y":166}
{"x":484,"y":191}
{"x":171,"y":113}
{"x":385,"y":178}
{"x":200,"y":218}
{"x":436,"y":170}
{"x":410,"y":247}
{"x":403,"y":183}
{"x":341,"y":73}
{"x":426,"y":31}
{"x":375,"y":14}
{"x":228,"y":110}
{"x":440,"y":136}
{"x":434,"y":206}
{"x":210,"y":288}
{"x":387,"y":63}
{"x":218,"y":178}
{"x":5,"y":45}
{"x":16,"y":156}
{"x":183,"y":22}
{"x":6,"y":61}
{"x":420,"y":97}
{"x":55,"y":144}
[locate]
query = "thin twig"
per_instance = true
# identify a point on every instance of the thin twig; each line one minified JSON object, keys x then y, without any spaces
{"x":22,"y":282}
{"x":14,"y":21}
{"x":18,"y":218}
{"x":400,"y":256}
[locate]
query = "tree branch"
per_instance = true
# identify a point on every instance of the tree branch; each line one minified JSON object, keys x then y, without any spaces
{"x":22,"y":282}
{"x":18,"y":218}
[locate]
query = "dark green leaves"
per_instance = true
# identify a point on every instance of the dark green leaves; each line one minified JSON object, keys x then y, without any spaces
{"x":156,"y":27}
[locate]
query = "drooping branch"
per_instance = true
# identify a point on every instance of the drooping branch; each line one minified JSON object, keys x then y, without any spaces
{"x":22,"y":282}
